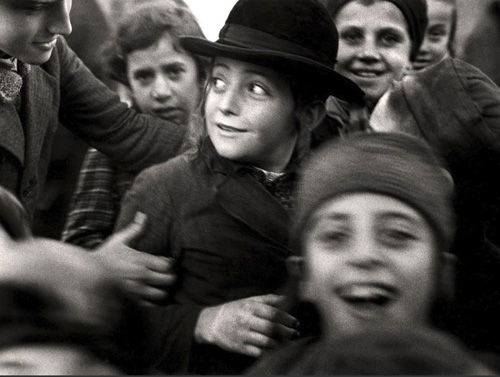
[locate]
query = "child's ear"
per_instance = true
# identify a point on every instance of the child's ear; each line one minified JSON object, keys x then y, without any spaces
{"x":447,"y":278}
{"x":313,"y":115}
{"x":297,"y":270}
{"x":295,"y":266}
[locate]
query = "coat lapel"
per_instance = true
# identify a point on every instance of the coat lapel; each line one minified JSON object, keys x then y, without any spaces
{"x":12,"y":138}
{"x":39,"y":110}
{"x":247,"y":200}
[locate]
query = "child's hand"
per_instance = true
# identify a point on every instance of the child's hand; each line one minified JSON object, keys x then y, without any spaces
{"x":249,"y":326}
{"x":143,"y":276}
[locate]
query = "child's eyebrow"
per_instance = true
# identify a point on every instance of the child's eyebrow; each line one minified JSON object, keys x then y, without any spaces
{"x":338,"y":216}
{"x":220,"y":65}
{"x":41,"y":2}
{"x":391,"y":215}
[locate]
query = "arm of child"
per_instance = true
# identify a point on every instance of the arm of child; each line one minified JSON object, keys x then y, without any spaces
{"x":92,"y":210}
{"x":95,"y":113}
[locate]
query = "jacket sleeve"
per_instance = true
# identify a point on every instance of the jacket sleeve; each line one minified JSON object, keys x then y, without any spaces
{"x":92,"y":210}
{"x":95,"y":114}
{"x":169,"y":339}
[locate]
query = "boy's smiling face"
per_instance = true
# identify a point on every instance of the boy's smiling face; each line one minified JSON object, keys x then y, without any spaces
{"x":29,"y":28}
{"x":370,"y":260}
{"x":250,"y":114}
{"x":374,"y":45}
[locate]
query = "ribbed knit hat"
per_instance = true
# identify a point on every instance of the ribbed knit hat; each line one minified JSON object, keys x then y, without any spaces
{"x":414,"y":11}
{"x":398,"y":165}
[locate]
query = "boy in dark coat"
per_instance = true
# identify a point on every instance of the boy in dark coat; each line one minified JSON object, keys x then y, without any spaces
{"x":222,"y":211}
{"x":43,"y":83}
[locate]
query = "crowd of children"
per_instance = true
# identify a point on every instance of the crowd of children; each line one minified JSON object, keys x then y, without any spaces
{"x":312,"y":193}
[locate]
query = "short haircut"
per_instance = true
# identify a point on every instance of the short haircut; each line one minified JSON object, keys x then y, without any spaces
{"x":142,"y":26}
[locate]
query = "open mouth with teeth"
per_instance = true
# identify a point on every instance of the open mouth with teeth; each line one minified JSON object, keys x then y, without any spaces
{"x":367,"y":74}
{"x":225,"y":128}
{"x":367,"y":299}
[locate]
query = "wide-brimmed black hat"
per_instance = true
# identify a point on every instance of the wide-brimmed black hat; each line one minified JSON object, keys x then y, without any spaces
{"x":298,"y":32}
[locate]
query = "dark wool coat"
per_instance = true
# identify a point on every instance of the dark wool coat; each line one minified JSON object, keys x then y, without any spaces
{"x":229,"y":236}
{"x":456,"y":108}
{"x":64,"y":91}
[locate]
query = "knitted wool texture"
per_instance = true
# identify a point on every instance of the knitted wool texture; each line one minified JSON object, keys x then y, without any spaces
{"x":397,"y":165}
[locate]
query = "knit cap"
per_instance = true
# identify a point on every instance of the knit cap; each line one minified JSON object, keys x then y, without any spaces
{"x":414,"y":11}
{"x":397,"y":165}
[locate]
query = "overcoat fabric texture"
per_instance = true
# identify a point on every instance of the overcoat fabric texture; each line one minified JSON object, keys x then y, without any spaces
{"x":456,"y":108}
{"x":229,"y":236}
{"x":64,"y":91}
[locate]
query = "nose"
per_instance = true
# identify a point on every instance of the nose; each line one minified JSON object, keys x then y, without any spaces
{"x":162,"y":89}
{"x":229,"y":102}
{"x":425,"y":47}
{"x":59,"y":20}
{"x":367,"y":254}
{"x":369,"y":51}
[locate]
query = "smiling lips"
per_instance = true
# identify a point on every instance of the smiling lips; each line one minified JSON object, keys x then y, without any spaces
{"x":366,"y":73}
{"x":226,"y":128}
{"x":47,"y":45}
{"x":367,"y":298}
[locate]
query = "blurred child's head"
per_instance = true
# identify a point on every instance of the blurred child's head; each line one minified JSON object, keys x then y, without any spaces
{"x":38,"y":336}
{"x":374,"y":219}
{"x":392,"y":351}
{"x":272,"y":70}
{"x":378,"y":40}
{"x":29,"y":29}
{"x":145,"y":55}
{"x":440,"y":34}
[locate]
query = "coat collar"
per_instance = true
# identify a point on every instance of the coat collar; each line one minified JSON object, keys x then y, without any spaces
{"x":39,"y":108}
{"x":246,"y":199}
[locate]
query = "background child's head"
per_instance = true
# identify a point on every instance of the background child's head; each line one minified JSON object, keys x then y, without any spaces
{"x":393,"y":351}
{"x":374,"y":219}
{"x":146,"y":56}
{"x":378,"y":40}
{"x":439,"y":40}
{"x":270,"y":52}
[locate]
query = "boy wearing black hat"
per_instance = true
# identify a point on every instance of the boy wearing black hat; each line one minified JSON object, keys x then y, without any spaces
{"x":222,"y":210}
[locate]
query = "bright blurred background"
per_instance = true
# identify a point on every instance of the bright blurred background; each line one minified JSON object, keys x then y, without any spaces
{"x":211,"y":15}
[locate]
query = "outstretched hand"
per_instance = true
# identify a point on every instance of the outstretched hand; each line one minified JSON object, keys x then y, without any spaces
{"x":249,"y":326}
{"x":145,"y":277}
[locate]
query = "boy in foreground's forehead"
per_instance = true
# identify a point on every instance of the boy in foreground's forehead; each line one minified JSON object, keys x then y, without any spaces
{"x":44,"y":84}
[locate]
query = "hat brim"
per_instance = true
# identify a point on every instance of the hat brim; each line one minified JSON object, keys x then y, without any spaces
{"x":338,"y":85}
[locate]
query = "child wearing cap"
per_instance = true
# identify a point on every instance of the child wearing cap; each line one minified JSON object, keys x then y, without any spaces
{"x":373,"y":223}
{"x":222,"y":210}
{"x":439,"y":40}
{"x":378,"y":40}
